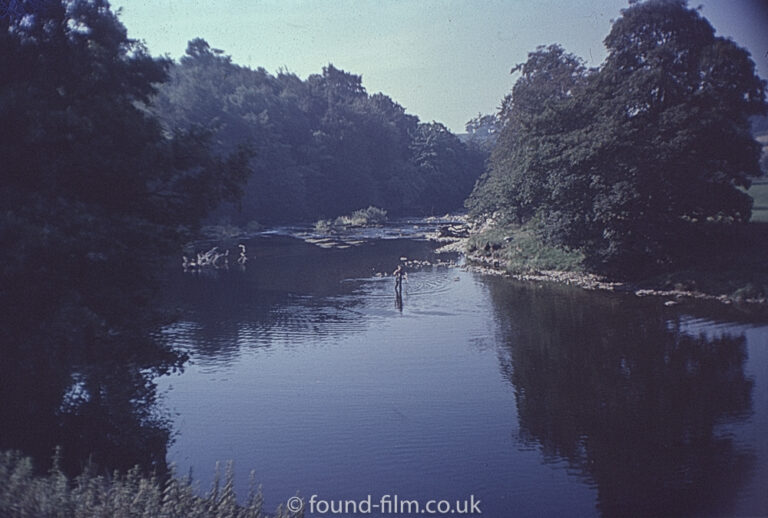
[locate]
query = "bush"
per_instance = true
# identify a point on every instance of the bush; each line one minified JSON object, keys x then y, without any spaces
{"x":359,"y":218}
{"x":324,"y":226}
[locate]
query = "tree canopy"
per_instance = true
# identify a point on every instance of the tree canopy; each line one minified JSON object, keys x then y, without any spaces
{"x":94,"y":196}
{"x":637,"y":162}
{"x":322,"y":146}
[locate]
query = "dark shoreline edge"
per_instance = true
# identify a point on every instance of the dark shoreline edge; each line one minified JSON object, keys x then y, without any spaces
{"x":587,"y":281}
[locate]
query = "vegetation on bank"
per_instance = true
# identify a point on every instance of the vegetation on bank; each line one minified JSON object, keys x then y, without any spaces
{"x":738,"y":271}
{"x":518,"y":250}
{"x":640,"y":164}
{"x":26,"y":493}
{"x":359,"y":218}
{"x":736,"y":268}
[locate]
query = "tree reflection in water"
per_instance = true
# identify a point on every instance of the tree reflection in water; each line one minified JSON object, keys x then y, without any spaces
{"x":84,"y":381}
{"x":617,"y":388}
{"x":291,"y":288}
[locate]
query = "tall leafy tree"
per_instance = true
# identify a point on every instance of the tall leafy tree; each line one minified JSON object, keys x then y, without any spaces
{"x":446,"y":169}
{"x":94,"y":195}
{"x":535,"y":120}
{"x":674,"y":106}
{"x":642,"y":161}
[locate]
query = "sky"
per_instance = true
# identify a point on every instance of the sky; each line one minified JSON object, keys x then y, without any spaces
{"x":443,"y":60}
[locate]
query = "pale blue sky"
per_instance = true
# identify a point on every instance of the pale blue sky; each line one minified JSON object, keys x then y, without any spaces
{"x":443,"y":60}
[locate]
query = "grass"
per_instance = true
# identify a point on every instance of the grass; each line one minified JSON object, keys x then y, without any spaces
{"x":359,"y":218}
{"x":23,"y":493}
{"x":737,"y":269}
{"x":521,"y":251}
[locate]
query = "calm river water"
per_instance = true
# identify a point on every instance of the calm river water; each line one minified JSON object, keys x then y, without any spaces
{"x":535,"y":400}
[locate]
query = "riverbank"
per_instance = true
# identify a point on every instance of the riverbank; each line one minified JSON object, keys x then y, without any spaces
{"x":736,"y":276}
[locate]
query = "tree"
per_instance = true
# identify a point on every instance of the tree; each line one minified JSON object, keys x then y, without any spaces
{"x":483,"y":131}
{"x":674,"y":108}
{"x":323,"y":147}
{"x":95,"y":195}
{"x":640,"y":163}
{"x":446,"y":168}
{"x":535,"y":120}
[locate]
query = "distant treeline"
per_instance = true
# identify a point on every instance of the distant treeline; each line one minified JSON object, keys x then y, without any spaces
{"x":321,"y":147}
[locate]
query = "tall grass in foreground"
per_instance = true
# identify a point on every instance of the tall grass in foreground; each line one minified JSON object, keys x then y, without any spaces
{"x":25,"y":494}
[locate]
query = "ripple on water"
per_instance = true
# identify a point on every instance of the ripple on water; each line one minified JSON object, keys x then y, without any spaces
{"x":420,"y":284}
{"x":439,"y":293}
{"x":436,"y":292}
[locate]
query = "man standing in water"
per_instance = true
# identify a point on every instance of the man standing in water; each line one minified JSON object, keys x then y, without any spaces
{"x":399,"y":274}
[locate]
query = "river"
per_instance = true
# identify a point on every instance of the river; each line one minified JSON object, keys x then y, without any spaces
{"x":533,"y":399}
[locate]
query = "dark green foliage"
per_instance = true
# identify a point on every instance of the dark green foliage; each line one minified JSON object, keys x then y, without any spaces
{"x":640,"y":164}
{"x":322,"y":146}
{"x":531,"y":139}
{"x":94,"y":195}
{"x":446,"y":169}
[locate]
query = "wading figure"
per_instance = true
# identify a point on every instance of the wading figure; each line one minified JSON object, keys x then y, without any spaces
{"x":399,"y":274}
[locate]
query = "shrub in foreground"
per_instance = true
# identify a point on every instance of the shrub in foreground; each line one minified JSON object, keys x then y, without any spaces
{"x":23,"y":493}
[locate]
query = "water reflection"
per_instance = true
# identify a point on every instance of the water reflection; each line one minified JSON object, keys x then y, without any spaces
{"x":88,"y":386}
{"x":399,"y":300}
{"x":616,"y":387}
{"x":291,"y":291}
